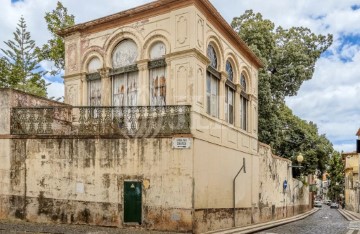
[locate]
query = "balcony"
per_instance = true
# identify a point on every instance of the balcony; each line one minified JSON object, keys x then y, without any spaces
{"x":132,"y":121}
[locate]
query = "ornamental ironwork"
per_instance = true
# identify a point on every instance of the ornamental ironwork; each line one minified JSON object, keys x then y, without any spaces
{"x":124,"y":122}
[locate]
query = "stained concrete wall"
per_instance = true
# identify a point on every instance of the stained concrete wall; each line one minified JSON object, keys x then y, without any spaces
{"x":81,"y":181}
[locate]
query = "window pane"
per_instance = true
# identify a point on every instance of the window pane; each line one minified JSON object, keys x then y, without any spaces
{"x":94,"y":65}
{"x":125,"y":89}
{"x":208,"y":101}
{"x":124,"y":54}
{"x":226,"y":103}
{"x":208,"y":83}
{"x":243,"y":113}
{"x":157,"y":87}
{"x":211,"y":54}
{"x":231,"y":114}
{"x":229,"y":71}
{"x":119,"y":90}
{"x":158,"y":50}
{"x":132,"y":89}
{"x":94,"y":90}
{"x":243,"y":82}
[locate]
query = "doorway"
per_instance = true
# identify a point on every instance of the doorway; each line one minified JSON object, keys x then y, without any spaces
{"x":132,"y":201}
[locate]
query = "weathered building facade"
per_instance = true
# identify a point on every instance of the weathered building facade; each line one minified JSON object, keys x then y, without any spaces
{"x":159,"y":129}
{"x":351,"y":161}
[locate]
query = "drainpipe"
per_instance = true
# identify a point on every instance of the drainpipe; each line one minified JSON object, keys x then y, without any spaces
{"x":234,"y":189}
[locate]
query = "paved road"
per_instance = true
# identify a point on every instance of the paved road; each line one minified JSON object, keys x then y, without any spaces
{"x":20,"y":227}
{"x":325,"y":221}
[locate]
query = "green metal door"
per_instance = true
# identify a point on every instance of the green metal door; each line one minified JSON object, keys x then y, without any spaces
{"x":132,"y":202}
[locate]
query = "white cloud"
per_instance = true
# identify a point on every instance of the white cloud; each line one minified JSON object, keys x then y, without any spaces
{"x":55,"y":89}
{"x":330,"y":99}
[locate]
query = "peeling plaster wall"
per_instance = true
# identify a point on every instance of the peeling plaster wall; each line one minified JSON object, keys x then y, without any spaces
{"x":275,"y":201}
{"x":81,"y":181}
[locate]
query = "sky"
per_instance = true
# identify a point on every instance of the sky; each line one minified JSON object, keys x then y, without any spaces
{"x":331,"y":98}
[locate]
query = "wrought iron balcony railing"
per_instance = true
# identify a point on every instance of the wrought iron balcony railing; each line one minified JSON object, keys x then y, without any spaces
{"x":132,"y":121}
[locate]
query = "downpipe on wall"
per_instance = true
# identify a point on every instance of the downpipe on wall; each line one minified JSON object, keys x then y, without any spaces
{"x":234,"y":189}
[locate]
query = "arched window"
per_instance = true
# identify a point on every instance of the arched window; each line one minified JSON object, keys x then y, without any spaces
{"x":94,"y":82}
{"x":244,"y":100}
{"x":229,"y":94}
{"x":125,"y":74}
{"x":212,"y":83}
{"x":157,"y":71}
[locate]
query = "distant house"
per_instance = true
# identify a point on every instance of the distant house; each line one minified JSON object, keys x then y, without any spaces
{"x":159,"y":129}
{"x":352,"y":186}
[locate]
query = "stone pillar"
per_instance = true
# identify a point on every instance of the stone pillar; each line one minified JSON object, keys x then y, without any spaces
{"x":237,"y":105}
{"x":144,"y":85}
{"x":222,"y":96}
{"x":106,"y":92}
{"x":83,"y":90}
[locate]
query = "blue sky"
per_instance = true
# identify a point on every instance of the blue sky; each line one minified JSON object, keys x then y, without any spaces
{"x":330,"y":98}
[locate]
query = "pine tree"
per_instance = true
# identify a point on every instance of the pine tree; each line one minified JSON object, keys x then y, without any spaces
{"x":20,"y":66}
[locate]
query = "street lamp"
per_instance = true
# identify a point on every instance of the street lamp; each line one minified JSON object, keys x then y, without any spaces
{"x":299,"y":159}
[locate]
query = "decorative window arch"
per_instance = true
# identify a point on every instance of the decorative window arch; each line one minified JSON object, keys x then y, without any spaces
{"x":229,"y":93}
{"x":244,"y":102}
{"x":212,"y":83}
{"x":157,"y":72}
{"x":94,"y":82}
{"x":124,"y":74}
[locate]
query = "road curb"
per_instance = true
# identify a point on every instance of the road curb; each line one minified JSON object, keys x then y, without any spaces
{"x":348,"y":215}
{"x":262,"y":226}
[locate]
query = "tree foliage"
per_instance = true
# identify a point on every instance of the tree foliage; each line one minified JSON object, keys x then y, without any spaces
{"x":289,"y":57}
{"x":54,"y":50}
{"x":336,"y":176}
{"x":20,"y":68}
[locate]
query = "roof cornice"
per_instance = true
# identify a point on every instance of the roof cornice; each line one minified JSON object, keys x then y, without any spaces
{"x":158,"y":7}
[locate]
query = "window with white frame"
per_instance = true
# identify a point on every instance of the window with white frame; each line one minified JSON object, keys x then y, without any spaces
{"x":212,"y":83}
{"x":94,"y":82}
{"x":157,"y":72}
{"x":244,"y":100}
{"x":125,"y":84}
{"x":229,"y":94}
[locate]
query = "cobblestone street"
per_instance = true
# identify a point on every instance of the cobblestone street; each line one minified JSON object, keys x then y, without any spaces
{"x":19,"y":227}
{"x":325,"y":221}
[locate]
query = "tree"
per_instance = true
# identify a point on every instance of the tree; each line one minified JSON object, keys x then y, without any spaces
{"x":300,"y":136}
{"x":20,"y":68}
{"x":54,"y":50}
{"x":4,"y":73}
{"x":336,"y":176}
{"x":289,"y":57}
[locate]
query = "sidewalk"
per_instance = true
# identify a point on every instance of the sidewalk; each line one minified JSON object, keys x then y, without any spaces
{"x":262,"y":226}
{"x":349,"y":215}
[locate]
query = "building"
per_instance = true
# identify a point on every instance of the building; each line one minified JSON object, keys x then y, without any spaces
{"x":159,"y":129}
{"x":351,"y":180}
